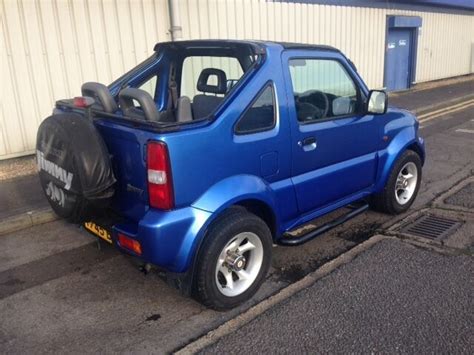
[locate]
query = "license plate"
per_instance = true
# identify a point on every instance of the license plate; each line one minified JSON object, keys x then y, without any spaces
{"x":98,"y":231}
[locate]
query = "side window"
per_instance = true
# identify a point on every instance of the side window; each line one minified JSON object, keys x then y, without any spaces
{"x":261,"y":115}
{"x":322,"y":89}
{"x":149,"y":86}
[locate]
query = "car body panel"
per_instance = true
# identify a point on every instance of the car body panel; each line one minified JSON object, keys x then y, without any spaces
{"x":213,"y":168}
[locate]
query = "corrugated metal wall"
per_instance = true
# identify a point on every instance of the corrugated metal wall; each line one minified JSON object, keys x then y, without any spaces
{"x":444,"y":43}
{"x":50,"y":47}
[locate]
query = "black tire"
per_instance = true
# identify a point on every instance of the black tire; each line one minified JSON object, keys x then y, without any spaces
{"x":385,"y":201}
{"x":74,"y":166}
{"x":65,"y":204}
{"x":222,"y":231}
{"x":73,"y":207}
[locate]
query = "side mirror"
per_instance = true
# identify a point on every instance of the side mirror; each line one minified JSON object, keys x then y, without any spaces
{"x":341,"y":106}
{"x":377,"y":103}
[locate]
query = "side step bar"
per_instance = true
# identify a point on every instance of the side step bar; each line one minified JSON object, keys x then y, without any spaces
{"x":289,"y":240}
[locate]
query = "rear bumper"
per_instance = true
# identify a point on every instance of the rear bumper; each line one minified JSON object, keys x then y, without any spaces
{"x":168,"y":239}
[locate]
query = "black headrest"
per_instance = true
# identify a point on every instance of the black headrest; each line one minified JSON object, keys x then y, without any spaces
{"x":101,"y":94}
{"x":219,"y":88}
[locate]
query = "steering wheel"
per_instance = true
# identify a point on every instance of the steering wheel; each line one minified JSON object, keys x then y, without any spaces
{"x":308,"y":100}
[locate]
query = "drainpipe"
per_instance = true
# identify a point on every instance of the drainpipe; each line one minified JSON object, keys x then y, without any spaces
{"x":175,"y":29}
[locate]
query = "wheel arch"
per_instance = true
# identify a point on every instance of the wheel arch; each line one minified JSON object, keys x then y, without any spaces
{"x":241,"y":191}
{"x":263,"y":211}
{"x":248,"y":191}
{"x":418,"y":149}
{"x":256,"y":206}
{"x":406,"y":139}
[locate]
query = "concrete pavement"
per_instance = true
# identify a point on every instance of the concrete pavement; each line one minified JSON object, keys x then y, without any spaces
{"x":23,"y":204}
{"x":429,"y":99}
{"x":21,"y":195}
{"x":393,"y":298}
{"x":59,"y":293}
{"x":398,"y":294}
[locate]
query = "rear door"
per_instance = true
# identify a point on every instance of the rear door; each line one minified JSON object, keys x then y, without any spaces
{"x":126,"y":144}
{"x":127,"y":148}
{"x":334,"y":144}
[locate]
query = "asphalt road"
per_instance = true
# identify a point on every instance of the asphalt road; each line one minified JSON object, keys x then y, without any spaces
{"x":59,"y":293}
{"x":425,"y":98}
{"x":463,"y":197}
{"x":421,"y":304}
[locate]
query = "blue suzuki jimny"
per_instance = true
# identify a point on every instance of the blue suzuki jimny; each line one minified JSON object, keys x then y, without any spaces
{"x":202,"y":157}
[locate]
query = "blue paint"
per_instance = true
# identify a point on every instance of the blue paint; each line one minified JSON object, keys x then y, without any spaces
{"x":463,"y":4}
{"x":214,"y":169}
{"x":342,"y":169}
{"x":450,"y":6}
{"x":398,"y":59}
{"x":404,"y":21}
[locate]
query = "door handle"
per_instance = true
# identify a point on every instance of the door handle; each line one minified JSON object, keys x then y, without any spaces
{"x":308,"y":144}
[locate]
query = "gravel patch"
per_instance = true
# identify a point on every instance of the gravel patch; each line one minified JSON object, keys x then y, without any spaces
{"x":13,"y":168}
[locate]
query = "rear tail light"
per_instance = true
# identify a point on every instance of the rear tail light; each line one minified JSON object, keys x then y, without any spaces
{"x":160,"y":183}
{"x":129,"y":244}
{"x":83,"y":101}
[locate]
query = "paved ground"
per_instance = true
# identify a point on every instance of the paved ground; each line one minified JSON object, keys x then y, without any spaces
{"x":393,"y":298}
{"x":58,"y":292}
{"x":463,"y":197}
{"x":20,"y":195}
{"x":424,"y":98}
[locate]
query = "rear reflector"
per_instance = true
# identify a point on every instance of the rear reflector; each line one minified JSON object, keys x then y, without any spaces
{"x":129,"y":244}
{"x":160,"y":184}
{"x":83,"y":101}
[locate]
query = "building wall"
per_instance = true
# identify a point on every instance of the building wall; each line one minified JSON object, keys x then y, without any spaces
{"x":50,"y":47}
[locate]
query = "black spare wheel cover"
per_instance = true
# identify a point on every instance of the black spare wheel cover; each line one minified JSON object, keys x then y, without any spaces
{"x":74,"y":166}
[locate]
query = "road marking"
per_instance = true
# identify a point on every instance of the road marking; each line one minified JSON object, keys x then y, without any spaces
{"x":465,"y":130}
{"x":437,"y":113}
{"x":432,"y":117}
{"x":445,"y":109}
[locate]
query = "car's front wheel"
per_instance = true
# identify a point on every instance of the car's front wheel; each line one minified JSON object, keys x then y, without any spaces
{"x":233,"y":260}
{"x":402,"y":185}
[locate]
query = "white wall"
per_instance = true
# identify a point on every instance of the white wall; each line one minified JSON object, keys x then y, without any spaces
{"x":50,"y":47}
{"x":444,"y":44}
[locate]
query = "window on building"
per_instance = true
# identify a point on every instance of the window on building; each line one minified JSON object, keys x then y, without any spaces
{"x":261,"y":115}
{"x":322,"y":89}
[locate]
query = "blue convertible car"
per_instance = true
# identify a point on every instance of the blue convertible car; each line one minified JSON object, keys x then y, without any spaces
{"x":202,"y":157}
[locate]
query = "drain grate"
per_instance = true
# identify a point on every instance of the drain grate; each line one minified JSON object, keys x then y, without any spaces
{"x":432,"y":227}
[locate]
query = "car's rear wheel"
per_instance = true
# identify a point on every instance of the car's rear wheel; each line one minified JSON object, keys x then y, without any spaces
{"x":402,"y":185}
{"x":233,"y":260}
